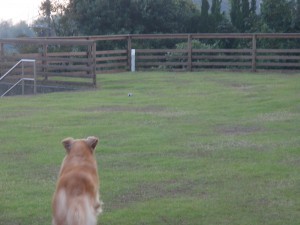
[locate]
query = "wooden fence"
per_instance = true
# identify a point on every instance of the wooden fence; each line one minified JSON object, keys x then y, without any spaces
{"x":56,"y":60}
{"x":73,"y":59}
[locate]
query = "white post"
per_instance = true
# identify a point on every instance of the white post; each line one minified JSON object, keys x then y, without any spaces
{"x":132,"y":60}
{"x":34,"y":77}
{"x":23,"y":83}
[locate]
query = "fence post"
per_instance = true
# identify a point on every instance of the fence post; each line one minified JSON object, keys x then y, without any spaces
{"x":91,"y":55}
{"x":254,"y":53}
{"x":189,"y":66}
{"x":23,"y":83}
{"x":1,"y":49}
{"x":94,"y":47}
{"x":34,"y":77}
{"x":129,"y":52}
{"x":45,"y":60}
{"x":1,"y":56}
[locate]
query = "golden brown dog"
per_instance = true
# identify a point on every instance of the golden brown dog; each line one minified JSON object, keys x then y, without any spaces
{"x":76,"y":199}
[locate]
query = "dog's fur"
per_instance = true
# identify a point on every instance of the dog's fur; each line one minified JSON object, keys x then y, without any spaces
{"x":76,"y":199}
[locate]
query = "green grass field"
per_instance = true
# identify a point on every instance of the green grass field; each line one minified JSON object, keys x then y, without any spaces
{"x":185,"y":149}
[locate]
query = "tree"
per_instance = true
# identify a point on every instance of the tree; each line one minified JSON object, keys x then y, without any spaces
{"x":245,"y":9}
{"x":236,"y":14}
{"x":216,"y":15}
{"x":211,"y":17}
{"x":46,"y":9}
{"x":10,"y":30}
{"x":204,"y":9}
{"x":253,"y":7}
{"x":132,"y":16}
{"x":243,"y":14}
{"x":20,"y":29}
{"x":53,"y":19}
{"x":204,"y":18}
{"x":296,"y":17}
{"x":254,"y":19}
{"x":216,"y":9}
{"x":277,"y":15}
{"x":246,"y":16}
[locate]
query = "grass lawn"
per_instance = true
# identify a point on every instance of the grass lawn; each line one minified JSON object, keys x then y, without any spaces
{"x":185,"y":149}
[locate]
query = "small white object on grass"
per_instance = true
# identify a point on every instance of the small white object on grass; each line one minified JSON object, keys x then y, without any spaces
{"x":130,"y":94}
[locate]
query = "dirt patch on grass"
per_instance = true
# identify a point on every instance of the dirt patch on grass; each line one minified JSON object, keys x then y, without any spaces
{"x":150,"y":110}
{"x":232,"y":84}
{"x":277,"y":116}
{"x":148,"y":191}
{"x":240,"y":87}
{"x":238,"y":130}
{"x":120,"y":108}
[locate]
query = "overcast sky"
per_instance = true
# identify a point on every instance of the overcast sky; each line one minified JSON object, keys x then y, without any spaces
{"x":17,"y":10}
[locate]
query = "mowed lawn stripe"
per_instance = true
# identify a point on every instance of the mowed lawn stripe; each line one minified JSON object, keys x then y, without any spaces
{"x":184,"y":148}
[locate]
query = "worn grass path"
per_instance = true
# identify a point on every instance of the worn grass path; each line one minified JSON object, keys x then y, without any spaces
{"x":185,"y":149}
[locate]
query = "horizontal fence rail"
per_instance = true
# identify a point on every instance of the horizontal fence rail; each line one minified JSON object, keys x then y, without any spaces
{"x":111,"y":61}
{"x":79,"y":59}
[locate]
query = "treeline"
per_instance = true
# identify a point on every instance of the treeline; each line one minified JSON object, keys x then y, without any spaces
{"x":101,"y":17}
{"x":106,"y":17}
{"x":10,"y":30}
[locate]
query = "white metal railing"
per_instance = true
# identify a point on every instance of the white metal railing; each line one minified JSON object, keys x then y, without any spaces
{"x":22,"y":78}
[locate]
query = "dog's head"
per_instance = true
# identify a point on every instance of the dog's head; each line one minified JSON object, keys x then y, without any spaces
{"x":80,"y":146}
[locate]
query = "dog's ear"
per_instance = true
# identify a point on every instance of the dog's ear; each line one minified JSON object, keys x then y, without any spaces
{"x":92,"y":142}
{"x":67,"y":143}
